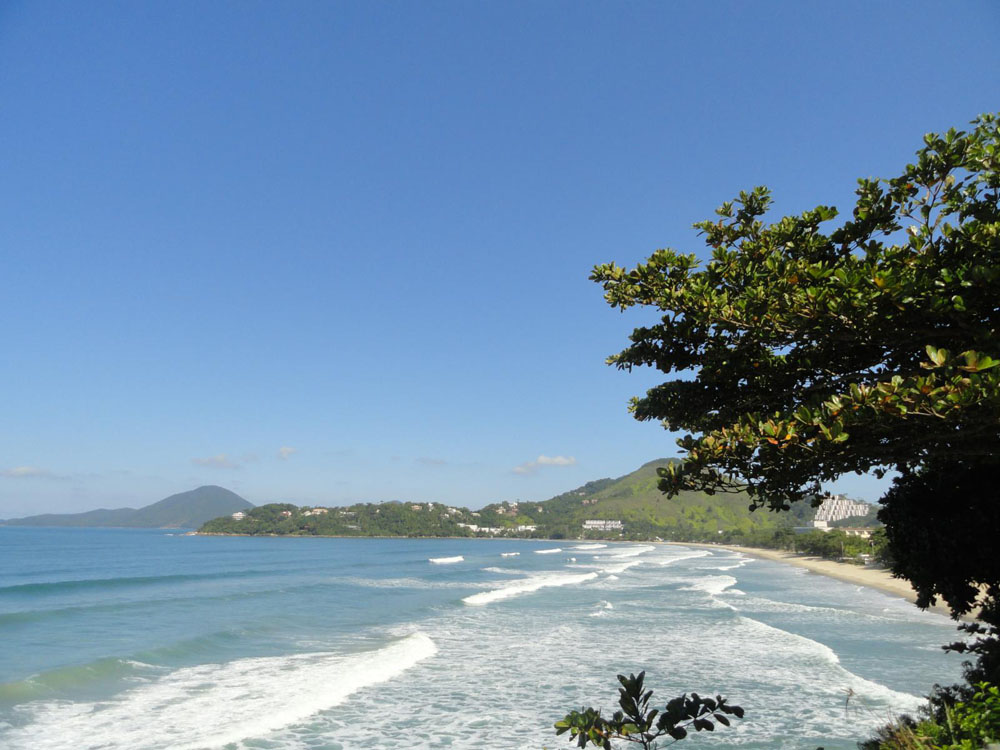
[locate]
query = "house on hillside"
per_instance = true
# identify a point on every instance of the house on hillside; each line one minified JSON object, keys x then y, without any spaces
{"x":864,"y":532}
{"x":602,"y":525}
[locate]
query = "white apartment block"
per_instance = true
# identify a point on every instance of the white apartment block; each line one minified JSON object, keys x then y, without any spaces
{"x":601,"y":525}
{"x":837,"y":508}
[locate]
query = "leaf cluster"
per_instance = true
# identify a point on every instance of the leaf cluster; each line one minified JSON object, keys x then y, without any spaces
{"x":636,"y":722}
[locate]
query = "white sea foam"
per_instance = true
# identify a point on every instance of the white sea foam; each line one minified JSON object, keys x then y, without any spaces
{"x":734,"y":566}
{"x":506,"y":571}
{"x":402,"y":583}
{"x":793,"y":687}
{"x":809,"y":654}
{"x":446,"y":560}
{"x":711,"y":585}
{"x":688,"y":556}
{"x":620,"y":567}
{"x":589,"y":547}
{"x":509,"y":554}
{"x":602,"y":610}
{"x":547,"y":551}
{"x":212,"y":705}
{"x":834,"y":614}
{"x":635,"y":551}
{"x":526,"y":586}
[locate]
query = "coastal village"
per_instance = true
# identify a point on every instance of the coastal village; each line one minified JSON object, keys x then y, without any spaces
{"x":606,"y":509}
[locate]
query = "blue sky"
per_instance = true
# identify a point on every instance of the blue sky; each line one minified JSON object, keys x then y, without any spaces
{"x":330,"y":252}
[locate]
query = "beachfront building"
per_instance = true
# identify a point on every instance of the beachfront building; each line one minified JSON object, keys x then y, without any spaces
{"x":602,"y":525}
{"x":837,"y":508}
{"x":481,"y":529}
{"x":239,"y":515}
{"x":864,"y":532}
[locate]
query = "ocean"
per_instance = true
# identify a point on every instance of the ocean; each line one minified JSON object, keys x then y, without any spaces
{"x":147,"y":639}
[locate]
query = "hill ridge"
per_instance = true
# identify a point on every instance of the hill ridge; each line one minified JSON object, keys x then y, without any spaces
{"x":634,"y":500}
{"x":182,"y":510}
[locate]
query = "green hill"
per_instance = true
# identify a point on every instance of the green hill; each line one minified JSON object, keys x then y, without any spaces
{"x":185,"y":510}
{"x":643,"y":510}
{"x":633,"y":500}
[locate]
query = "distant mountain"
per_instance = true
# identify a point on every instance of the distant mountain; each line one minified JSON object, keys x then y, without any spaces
{"x":185,"y":510}
{"x":100,"y":517}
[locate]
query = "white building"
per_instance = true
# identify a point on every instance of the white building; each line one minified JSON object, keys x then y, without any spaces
{"x":481,"y":529}
{"x":837,"y":508}
{"x":239,"y":515}
{"x":602,"y":525}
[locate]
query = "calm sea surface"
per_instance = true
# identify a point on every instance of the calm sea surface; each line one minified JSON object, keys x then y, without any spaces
{"x":146,"y":639}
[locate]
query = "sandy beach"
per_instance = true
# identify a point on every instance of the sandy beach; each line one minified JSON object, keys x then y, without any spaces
{"x":872,"y":576}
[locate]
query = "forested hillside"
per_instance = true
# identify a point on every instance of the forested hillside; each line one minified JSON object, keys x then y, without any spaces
{"x":633,"y":500}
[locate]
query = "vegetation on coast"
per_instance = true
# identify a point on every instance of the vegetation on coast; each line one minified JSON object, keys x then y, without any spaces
{"x":834,"y":544}
{"x":633,"y":499}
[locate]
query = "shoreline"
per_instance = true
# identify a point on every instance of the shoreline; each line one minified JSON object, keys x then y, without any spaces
{"x":876,"y":578}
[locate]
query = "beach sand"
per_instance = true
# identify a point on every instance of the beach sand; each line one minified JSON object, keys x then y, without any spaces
{"x":872,"y":576}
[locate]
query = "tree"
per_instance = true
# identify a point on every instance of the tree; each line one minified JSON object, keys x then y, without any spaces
{"x":800,"y":353}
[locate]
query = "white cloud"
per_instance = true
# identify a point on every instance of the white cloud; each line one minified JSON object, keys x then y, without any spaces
{"x":530,"y":467}
{"x":220,"y":461}
{"x":28,"y":472}
{"x":285,"y":451}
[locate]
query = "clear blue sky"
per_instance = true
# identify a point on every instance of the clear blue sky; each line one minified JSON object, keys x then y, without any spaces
{"x":338,"y":251}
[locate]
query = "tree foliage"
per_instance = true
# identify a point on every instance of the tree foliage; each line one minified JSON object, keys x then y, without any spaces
{"x":970,"y":724}
{"x":803,"y":350}
{"x":636,"y":722}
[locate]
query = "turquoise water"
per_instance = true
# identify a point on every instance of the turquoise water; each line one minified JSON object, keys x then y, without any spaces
{"x":144,"y":639}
